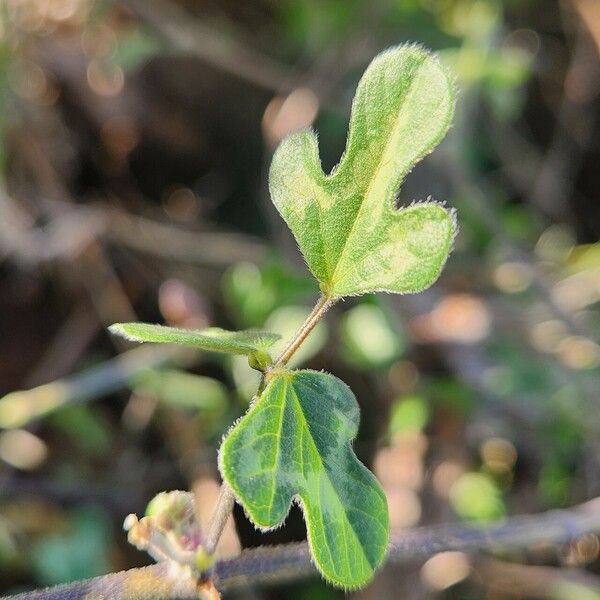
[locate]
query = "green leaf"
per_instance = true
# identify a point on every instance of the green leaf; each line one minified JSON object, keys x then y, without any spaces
{"x":352,"y":236}
{"x":250,"y":342}
{"x":294,"y":444}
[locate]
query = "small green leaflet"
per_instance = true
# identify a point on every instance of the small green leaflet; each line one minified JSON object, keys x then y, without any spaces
{"x":294,"y":444}
{"x":250,"y":342}
{"x":352,"y":236}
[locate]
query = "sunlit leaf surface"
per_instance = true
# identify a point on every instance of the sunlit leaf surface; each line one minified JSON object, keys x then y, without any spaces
{"x":352,"y":236}
{"x":294,"y":443}
{"x":212,"y":339}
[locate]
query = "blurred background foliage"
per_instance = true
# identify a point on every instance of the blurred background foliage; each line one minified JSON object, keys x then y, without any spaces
{"x":135,"y":138}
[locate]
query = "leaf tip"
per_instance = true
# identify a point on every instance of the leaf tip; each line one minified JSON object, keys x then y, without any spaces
{"x":122,"y":330}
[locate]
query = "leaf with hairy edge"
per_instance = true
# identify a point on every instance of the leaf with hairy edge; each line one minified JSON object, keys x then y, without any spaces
{"x":252,"y":342}
{"x":294,"y":444}
{"x":352,"y":236}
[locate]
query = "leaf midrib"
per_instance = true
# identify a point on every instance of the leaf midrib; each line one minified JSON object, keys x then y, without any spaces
{"x":277,"y":451}
{"x":222,"y":341}
{"x":333,"y":487}
{"x":374,"y":175}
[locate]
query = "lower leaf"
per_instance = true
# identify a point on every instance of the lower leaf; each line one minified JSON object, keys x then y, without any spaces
{"x":294,"y":444}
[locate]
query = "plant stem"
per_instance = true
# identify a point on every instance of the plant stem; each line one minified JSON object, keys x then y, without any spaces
{"x":219,"y":518}
{"x":270,"y":564}
{"x":226,"y":499}
{"x":321,"y":307}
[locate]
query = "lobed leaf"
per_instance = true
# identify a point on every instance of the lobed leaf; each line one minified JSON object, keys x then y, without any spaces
{"x":346,"y":224}
{"x":294,"y":444}
{"x":213,"y":339}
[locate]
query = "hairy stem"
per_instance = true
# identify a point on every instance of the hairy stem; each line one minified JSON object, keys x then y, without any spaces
{"x":321,"y":307}
{"x":226,"y":499}
{"x":219,"y":518}
{"x":269,"y":564}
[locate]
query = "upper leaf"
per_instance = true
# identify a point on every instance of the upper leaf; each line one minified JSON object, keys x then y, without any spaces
{"x":214,"y":339}
{"x":352,"y":236}
{"x":294,"y":443}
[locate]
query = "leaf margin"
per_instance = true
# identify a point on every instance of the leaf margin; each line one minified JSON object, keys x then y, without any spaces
{"x":206,"y":340}
{"x":304,"y":143}
{"x":296,"y":498}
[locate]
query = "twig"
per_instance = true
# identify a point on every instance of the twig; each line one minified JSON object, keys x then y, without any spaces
{"x":292,"y":561}
{"x":226,"y":499}
{"x":219,"y":519}
{"x":317,"y":313}
{"x":177,"y":27}
{"x":213,"y":249}
{"x":71,"y":340}
{"x":526,"y":581}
